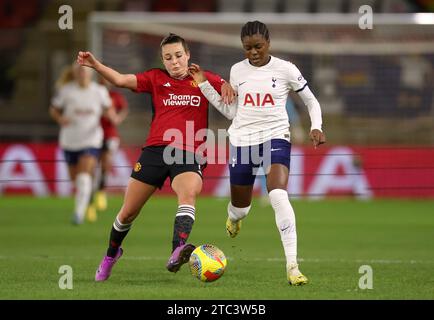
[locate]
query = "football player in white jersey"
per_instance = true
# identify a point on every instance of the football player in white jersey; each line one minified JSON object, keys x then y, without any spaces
{"x":77,"y":108}
{"x":259,"y":133}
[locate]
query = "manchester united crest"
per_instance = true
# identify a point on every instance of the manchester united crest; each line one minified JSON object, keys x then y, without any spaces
{"x":193,"y":84}
{"x":137,"y":167}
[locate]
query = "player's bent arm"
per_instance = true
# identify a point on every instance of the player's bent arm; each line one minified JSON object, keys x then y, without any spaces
{"x":313,"y":107}
{"x":122,"y":115}
{"x":110,"y":113}
{"x":228,"y":110}
{"x":56,"y":115}
{"x":120,"y":80}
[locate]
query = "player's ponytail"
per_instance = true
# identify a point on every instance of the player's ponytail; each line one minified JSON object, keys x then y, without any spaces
{"x":66,"y":76}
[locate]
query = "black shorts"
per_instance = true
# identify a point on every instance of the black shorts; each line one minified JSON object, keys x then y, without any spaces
{"x":152,"y":167}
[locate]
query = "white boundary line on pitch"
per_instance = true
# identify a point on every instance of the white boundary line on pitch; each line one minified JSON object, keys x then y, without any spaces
{"x":380,"y":261}
{"x":308,"y":260}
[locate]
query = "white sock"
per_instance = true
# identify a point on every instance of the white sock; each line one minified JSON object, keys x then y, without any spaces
{"x":83,"y":183}
{"x":285,"y":221}
{"x":235,"y":213}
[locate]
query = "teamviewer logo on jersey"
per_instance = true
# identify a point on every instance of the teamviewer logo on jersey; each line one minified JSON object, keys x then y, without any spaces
{"x":195,"y":101}
{"x":182,"y":100}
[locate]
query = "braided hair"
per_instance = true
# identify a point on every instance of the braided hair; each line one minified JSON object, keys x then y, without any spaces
{"x":255,"y":27}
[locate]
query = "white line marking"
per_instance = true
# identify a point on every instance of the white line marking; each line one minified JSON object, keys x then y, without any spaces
{"x":307,"y":260}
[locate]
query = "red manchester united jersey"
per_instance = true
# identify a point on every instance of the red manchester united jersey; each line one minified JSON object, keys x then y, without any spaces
{"x":179,"y":108}
{"x":119,"y":103}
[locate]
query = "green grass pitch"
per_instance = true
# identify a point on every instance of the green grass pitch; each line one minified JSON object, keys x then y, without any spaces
{"x":335,"y":238}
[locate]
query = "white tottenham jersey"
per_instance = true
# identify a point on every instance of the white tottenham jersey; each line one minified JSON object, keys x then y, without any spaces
{"x":262,"y":93}
{"x":259,"y":114}
{"x":83,"y":107}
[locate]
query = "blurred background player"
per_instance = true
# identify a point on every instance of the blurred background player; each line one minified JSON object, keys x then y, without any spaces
{"x":77,"y":108}
{"x":260,"y":127}
{"x":167,"y":88}
{"x":111,"y":142}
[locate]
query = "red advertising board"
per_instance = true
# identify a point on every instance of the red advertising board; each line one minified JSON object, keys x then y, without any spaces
{"x":364,"y":172}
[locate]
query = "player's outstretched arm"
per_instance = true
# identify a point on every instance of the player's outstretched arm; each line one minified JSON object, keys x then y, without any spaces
{"x":129,"y":81}
{"x":222,"y":105}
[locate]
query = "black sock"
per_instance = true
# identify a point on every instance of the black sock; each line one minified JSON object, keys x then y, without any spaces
{"x":101,"y":181}
{"x":183,"y":224}
{"x":91,"y":197}
{"x":118,"y":233}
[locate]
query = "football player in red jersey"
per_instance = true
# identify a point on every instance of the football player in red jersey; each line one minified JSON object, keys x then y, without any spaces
{"x":178,"y":107}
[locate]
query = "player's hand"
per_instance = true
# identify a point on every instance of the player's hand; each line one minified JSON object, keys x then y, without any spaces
{"x":228,"y":93}
{"x":116,"y":120}
{"x":317,"y":137}
{"x":113,"y":117}
{"x":196,"y":73}
{"x":63,"y":121}
{"x":85,"y":58}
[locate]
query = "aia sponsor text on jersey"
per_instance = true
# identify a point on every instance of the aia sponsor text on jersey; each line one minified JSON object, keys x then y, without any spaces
{"x":258,"y":100}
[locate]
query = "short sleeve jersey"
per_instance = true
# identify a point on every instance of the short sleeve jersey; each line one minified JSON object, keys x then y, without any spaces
{"x":83,"y":107}
{"x":180,"y":110}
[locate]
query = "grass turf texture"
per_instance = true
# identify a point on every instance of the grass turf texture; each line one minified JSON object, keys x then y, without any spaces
{"x":335,"y":237}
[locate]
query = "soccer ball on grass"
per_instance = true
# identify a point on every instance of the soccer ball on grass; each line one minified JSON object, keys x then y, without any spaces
{"x":207,"y":263}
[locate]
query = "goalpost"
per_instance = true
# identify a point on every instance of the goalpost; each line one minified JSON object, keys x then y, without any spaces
{"x":223,"y":29}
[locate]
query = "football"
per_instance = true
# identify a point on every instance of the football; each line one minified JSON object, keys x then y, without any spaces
{"x":207,"y":263}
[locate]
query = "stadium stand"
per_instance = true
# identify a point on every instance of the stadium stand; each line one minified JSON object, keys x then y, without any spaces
{"x":231,"y":5}
{"x":262,"y":6}
{"x":329,"y":6}
{"x":296,"y":6}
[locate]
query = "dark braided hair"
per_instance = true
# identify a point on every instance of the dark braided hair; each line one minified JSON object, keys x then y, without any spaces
{"x":254,"y":27}
{"x":174,"y":38}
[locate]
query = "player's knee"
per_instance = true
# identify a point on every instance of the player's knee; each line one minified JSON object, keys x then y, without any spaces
{"x":236,"y":213}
